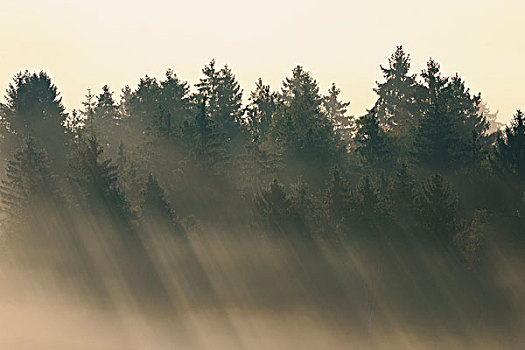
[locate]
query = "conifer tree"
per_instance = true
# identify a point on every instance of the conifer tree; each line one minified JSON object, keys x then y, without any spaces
{"x":261,"y":110}
{"x":437,"y":138}
{"x":372,"y":143}
{"x":207,"y":145}
{"x":302,"y":131}
{"x":275,"y":210}
{"x":336,"y":110}
{"x":34,"y":109}
{"x":369,"y":207}
{"x":97,"y":180}
{"x":510,"y":147}
{"x":223,"y":97}
{"x":29,"y":189}
{"x":397,"y":103}
{"x":337,"y":195}
{"x":129,"y":174}
{"x":437,"y":205}
{"x":155,"y":208}
{"x":451,"y":131}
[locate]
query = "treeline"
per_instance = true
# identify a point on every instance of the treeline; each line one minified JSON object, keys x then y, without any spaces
{"x":426,"y":169}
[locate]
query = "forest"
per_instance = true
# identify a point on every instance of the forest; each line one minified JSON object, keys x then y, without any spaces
{"x":170,"y":198}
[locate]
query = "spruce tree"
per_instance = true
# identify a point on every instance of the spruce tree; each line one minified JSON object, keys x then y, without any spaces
{"x":336,"y":110}
{"x":34,"y":109}
{"x":437,"y":208}
{"x":155,"y":207}
{"x":302,"y":132}
{"x":510,"y":147}
{"x":451,"y":132}
{"x":207,"y":145}
{"x":397,"y":103}
{"x":29,"y":189}
{"x":262,"y":107}
{"x":372,"y":143}
{"x":223,"y":96}
{"x":96,"y":178}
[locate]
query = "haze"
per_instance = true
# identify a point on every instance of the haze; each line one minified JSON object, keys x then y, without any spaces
{"x":88,"y":44}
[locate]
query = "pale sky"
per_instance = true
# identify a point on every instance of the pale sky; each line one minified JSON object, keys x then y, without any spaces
{"x":86,"y":44}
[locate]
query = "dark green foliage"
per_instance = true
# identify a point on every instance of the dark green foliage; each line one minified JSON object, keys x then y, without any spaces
{"x":337,"y":195}
{"x":369,"y":206}
{"x":336,"y":110}
{"x":207,"y":145}
{"x":31,"y":98}
{"x":301,"y":130}
{"x":510,"y":147}
{"x":398,"y":106}
{"x":222,"y":96}
{"x":34,"y":109}
{"x":275,"y":210}
{"x":29,"y":187}
{"x":258,"y":165}
{"x":471,"y":240}
{"x":155,"y":207}
{"x":262,"y":108}
{"x":159,"y":107}
{"x":96,"y":179}
{"x":451,"y":131}
{"x":372,"y":143}
{"x":397,"y":103}
{"x":331,"y":196}
{"x":437,"y":208}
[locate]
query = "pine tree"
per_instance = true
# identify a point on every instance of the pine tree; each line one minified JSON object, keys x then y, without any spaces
{"x":336,"y":110}
{"x":337,"y":195}
{"x":261,"y":110}
{"x":29,"y":189}
{"x":97,"y":180}
{"x":207,"y":145}
{"x":369,"y":207}
{"x":373,"y":143}
{"x":510,"y":147}
{"x":32,"y":98}
{"x":155,"y":207}
{"x":398,"y":103}
{"x":302,"y":132}
{"x":34,"y":109}
{"x":437,"y":205}
{"x":437,"y":137}
{"x":223,"y":97}
{"x":403,"y":198}
{"x":451,"y":131}
{"x":174,"y":105}
{"x":274,"y":209}
{"x":397,"y":106}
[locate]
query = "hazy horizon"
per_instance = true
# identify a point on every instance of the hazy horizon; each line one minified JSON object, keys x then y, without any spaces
{"x":118,"y":42}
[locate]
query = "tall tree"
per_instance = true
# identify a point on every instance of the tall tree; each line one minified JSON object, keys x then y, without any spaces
{"x":373,"y":143}
{"x":396,"y":105}
{"x":155,"y":207}
{"x":34,"y":109}
{"x":451,"y":131}
{"x":302,"y":131}
{"x":96,"y":179}
{"x":262,"y":107}
{"x":437,"y":205}
{"x":207,"y":145}
{"x":29,"y":190}
{"x":510,"y":146}
{"x":223,"y":97}
{"x":336,"y":110}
